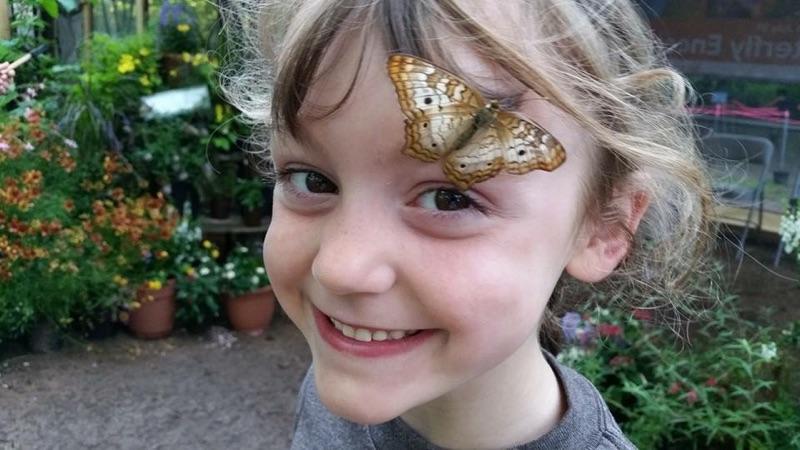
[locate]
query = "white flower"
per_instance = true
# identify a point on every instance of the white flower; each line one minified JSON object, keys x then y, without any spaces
{"x":254,"y":279}
{"x":204,"y":271}
{"x":790,"y":232}
{"x":28,"y":146}
{"x":70,"y":143}
{"x":148,"y":156}
{"x":229,"y":275}
{"x":769,"y":351}
{"x":260,"y":270}
{"x":229,"y":266}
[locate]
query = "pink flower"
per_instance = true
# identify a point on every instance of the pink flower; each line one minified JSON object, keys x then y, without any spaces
{"x":691,"y":397}
{"x":674,"y":388}
{"x":645,"y":315}
{"x":32,"y":115}
{"x":711,"y":382}
{"x":4,"y":145}
{"x":609,"y":330}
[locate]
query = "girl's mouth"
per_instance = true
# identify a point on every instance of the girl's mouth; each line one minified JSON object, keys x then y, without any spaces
{"x":367,"y":342}
{"x":368,"y":335}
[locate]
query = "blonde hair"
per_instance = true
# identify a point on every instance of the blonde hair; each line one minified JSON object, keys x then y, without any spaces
{"x":596,"y":60}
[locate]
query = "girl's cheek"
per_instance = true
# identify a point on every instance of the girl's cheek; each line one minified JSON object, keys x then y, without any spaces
{"x":283,"y":259}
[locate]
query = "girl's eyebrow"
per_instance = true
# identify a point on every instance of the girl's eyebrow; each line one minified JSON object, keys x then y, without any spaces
{"x":303,"y":143}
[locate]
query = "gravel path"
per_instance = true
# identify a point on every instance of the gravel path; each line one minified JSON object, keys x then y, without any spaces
{"x":217,"y":391}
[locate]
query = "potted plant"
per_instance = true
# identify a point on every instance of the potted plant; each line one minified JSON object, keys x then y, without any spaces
{"x":249,"y":300}
{"x":250,"y":193}
{"x":152,"y":313}
{"x":198,"y":278}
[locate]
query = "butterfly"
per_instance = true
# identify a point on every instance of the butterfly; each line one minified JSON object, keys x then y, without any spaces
{"x":450,"y":121}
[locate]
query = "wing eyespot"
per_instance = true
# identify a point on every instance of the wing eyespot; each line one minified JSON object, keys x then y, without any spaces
{"x":428,"y":100}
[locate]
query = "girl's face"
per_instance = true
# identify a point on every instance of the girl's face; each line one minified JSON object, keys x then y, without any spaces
{"x":365,"y":236}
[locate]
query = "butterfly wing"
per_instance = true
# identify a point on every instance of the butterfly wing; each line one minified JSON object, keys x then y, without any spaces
{"x":439,"y":107}
{"x":527,"y":146}
{"x":510,"y":144}
{"x":480,"y":159}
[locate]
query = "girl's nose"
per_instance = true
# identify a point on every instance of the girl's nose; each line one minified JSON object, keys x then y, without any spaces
{"x":354,"y":255}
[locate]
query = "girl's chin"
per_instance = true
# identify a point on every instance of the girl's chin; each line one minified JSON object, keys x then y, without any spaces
{"x":362,"y":407}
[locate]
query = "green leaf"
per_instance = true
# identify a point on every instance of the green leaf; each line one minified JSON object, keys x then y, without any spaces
{"x":51,"y":6}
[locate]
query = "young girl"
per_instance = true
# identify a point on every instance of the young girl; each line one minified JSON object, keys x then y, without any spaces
{"x":442,"y":165}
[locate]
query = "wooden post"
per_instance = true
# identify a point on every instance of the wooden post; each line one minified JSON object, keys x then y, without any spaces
{"x":88,"y":20}
{"x":138,"y":12}
{"x":5,"y":20}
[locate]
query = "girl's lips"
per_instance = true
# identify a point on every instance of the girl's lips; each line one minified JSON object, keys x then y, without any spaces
{"x":372,"y":349}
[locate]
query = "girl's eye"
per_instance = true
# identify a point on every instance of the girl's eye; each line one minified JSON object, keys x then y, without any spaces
{"x":310,"y":182}
{"x":446,"y":200}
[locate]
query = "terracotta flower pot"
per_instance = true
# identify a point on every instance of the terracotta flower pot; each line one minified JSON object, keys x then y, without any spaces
{"x":155,"y":316}
{"x":251,"y":312}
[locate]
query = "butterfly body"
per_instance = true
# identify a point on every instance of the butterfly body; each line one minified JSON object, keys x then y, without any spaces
{"x":482,"y":117}
{"x":449,"y":121}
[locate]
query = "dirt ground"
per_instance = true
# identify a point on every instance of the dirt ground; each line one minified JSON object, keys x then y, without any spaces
{"x":220,"y":390}
{"x":223,"y":389}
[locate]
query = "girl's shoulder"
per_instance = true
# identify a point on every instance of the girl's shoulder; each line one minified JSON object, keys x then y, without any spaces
{"x":587,"y":423}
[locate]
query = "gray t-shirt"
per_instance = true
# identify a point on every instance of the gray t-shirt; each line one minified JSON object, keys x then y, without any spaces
{"x":587,"y":423}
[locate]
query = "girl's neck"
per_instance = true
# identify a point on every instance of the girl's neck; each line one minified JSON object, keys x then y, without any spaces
{"x":518,"y":401}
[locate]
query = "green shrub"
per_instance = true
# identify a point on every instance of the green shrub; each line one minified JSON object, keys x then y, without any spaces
{"x":733,"y":387}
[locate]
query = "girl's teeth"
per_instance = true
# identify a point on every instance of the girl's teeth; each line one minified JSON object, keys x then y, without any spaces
{"x":364,"y":335}
{"x":380,"y":335}
{"x":397,"y":334}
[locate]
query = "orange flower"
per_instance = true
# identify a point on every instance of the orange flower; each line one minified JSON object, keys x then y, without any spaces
{"x":98,"y":209}
{"x":66,"y":162}
{"x":32,"y":177}
{"x":118,"y":194}
{"x":69,"y":205}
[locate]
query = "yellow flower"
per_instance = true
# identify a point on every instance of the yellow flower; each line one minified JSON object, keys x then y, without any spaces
{"x":173,"y":73}
{"x":144,"y":81}
{"x":190,"y":271}
{"x":163,"y":254}
{"x":186,"y":57}
{"x":215,"y":253}
{"x":126,"y":64}
{"x":154,"y":285}
{"x":144,"y":51}
{"x":183,"y":27}
{"x":199,"y":58}
{"x":207,"y":244}
{"x":135,"y":305}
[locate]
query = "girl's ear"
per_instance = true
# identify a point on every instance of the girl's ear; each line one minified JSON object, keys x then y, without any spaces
{"x":603,"y":244}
